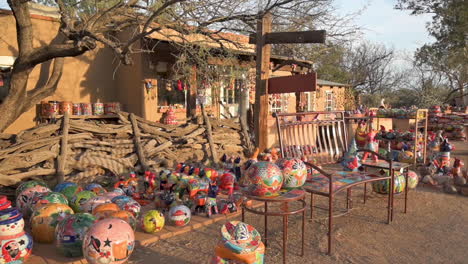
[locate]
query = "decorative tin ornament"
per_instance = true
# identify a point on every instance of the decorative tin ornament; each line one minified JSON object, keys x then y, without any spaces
{"x":15,"y":249}
{"x":126,"y":216}
{"x":86,"y":109}
{"x":263,"y":179}
{"x":92,"y":203}
{"x":77,"y":109}
{"x":80,"y":199}
{"x":98,"y":108}
{"x":110,"y":241}
{"x":70,"y":232}
{"x":152,"y":221}
{"x":44,"y":220}
{"x":26,"y":185}
{"x":294,"y":172}
{"x":23,"y":199}
{"x":127,"y":204}
{"x":179,"y":215}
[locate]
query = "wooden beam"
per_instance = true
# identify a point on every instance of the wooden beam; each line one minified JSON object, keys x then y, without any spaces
{"x":314,"y":36}
{"x":192,"y":95}
{"x":263,"y":53}
{"x":293,"y":84}
{"x":62,"y":159}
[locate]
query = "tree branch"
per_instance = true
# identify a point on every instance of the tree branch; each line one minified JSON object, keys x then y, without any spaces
{"x":24,"y":30}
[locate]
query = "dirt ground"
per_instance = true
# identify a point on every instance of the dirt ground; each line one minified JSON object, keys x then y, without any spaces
{"x":435,"y":230}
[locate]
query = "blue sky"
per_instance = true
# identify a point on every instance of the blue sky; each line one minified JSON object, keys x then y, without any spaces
{"x":382,"y":23}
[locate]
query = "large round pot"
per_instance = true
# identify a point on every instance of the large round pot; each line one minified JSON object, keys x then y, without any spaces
{"x":80,"y":199}
{"x":127,"y":204}
{"x":15,"y":249}
{"x":263,"y":179}
{"x":294,"y":172}
{"x":24,"y":198}
{"x":179,"y":215}
{"x":71,"y":191}
{"x":126,"y":216}
{"x":44,"y":220}
{"x":110,"y":241}
{"x":105,"y":210}
{"x":70,"y":232}
{"x":152,"y":221}
{"x":413,"y":179}
{"x":92,"y":203}
{"x":382,"y":187}
{"x":26,"y":185}
{"x":45,"y":198}
{"x":59,"y":187}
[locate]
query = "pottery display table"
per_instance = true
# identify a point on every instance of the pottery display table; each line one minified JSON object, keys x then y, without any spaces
{"x":285,"y":198}
{"x":396,"y":166}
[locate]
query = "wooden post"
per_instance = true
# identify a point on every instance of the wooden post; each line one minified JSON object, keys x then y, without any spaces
{"x":263,"y":52}
{"x":139,"y":148}
{"x":62,"y":160}
{"x":192,"y":95}
{"x":209,"y":135}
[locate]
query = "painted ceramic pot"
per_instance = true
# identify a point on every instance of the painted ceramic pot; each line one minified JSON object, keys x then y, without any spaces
{"x":15,"y":249}
{"x":115,"y":193}
{"x":71,"y":191}
{"x":294,"y":172}
{"x":110,"y":241}
{"x":382,"y":187}
{"x":59,"y":187}
{"x":44,"y":220}
{"x":23,"y":199}
{"x":240,"y":237}
{"x":4,"y":203}
{"x":413,"y":179}
{"x":26,"y":185}
{"x":263,"y":179}
{"x":179,"y":215}
{"x":99,"y":191}
{"x":45,"y":198}
{"x":126,"y":216}
{"x":152,"y":221}
{"x":92,"y":203}
{"x":80,"y":199}
{"x":105,"y":210}
{"x":91,"y":186}
{"x":70,"y":232}
{"x":406,"y":157}
{"x":11,"y":222}
{"x":127,"y":204}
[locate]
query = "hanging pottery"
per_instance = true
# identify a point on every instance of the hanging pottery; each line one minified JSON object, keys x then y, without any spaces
{"x":59,"y":187}
{"x":80,"y":199}
{"x":126,"y":216}
{"x":179,"y":215}
{"x":92,"y":203}
{"x":263,"y":179}
{"x":152,"y":221}
{"x":26,"y":185}
{"x":413,"y":179}
{"x":70,"y":232}
{"x":110,"y":241}
{"x":71,"y":191}
{"x":105,"y":210}
{"x":44,"y":220}
{"x":23,"y":199}
{"x":127,"y":204}
{"x":15,"y":249}
{"x":4,"y":203}
{"x":294,"y":172}
{"x":11,"y":222}
{"x":382,"y":187}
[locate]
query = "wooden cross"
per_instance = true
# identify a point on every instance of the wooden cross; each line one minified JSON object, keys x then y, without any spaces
{"x":263,"y":38}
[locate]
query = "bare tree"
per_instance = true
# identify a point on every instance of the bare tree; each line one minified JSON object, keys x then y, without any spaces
{"x":86,"y":24}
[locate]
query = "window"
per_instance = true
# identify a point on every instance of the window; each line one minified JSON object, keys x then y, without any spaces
{"x":171,"y":92}
{"x":330,"y":101}
{"x":278,"y":103}
{"x":229,"y":90}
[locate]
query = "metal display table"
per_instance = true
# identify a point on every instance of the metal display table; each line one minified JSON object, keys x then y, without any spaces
{"x":284,"y":199}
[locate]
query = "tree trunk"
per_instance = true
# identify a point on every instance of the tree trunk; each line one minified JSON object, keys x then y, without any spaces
{"x":12,"y":106}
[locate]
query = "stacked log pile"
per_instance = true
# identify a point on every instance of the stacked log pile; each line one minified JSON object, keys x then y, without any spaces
{"x":77,"y":150}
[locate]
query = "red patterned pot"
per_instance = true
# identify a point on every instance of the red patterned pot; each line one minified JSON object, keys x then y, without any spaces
{"x":263,"y":179}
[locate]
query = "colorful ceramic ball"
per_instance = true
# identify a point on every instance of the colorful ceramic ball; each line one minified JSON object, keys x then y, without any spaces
{"x":26,"y":185}
{"x":99,"y":191}
{"x":382,"y":187}
{"x":413,"y":179}
{"x":127,"y":204}
{"x":59,"y":187}
{"x":92,"y":203}
{"x":80,"y":199}
{"x":406,"y":157}
{"x":70,"y":232}
{"x":105,"y":210}
{"x":110,"y":241}
{"x":264,"y":179}
{"x":152,"y":221}
{"x":126,"y":216}
{"x":23,"y":199}
{"x":44,"y":220}
{"x":45,"y":198}
{"x":294,"y":172}
{"x":91,"y":186}
{"x":179,"y":215}
{"x":16,"y":249}
{"x":71,"y":191}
